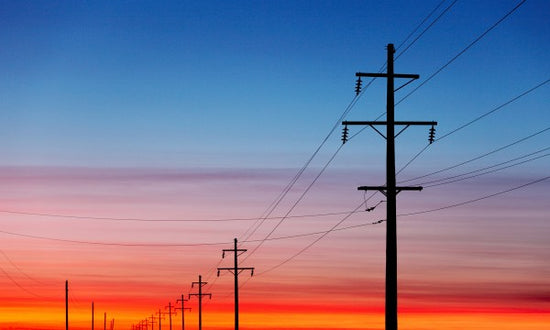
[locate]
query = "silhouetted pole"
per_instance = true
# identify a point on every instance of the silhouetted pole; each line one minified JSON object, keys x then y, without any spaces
{"x":200,"y":284}
{"x":66,"y":305}
{"x":390,"y":190}
{"x":235,"y":270}
{"x":183,"y":309}
{"x":169,"y":313}
{"x":104,"y":321}
{"x":92,"y":315}
{"x":159,"y":318}
{"x":152,"y":321}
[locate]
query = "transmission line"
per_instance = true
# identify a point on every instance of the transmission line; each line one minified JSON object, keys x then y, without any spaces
{"x":462,"y":51}
{"x":478,"y":157}
{"x":476,"y":199}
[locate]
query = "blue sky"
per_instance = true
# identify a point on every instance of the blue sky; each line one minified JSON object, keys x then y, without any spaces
{"x":193,"y":83}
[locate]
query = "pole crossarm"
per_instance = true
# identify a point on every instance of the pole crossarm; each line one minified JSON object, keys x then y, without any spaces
{"x":239,"y":270}
{"x":385,"y":75}
{"x":372,"y":124}
{"x":383,"y":189}
{"x":385,"y":123}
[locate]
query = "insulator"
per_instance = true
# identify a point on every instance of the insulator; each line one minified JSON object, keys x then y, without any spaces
{"x":432,"y":135}
{"x":358,"y":86}
{"x":345,"y":134}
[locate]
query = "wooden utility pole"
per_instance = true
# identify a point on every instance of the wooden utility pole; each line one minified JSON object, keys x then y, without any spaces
{"x":200,"y":284}
{"x":182,"y":309}
{"x":390,"y":190}
{"x":235,"y":270}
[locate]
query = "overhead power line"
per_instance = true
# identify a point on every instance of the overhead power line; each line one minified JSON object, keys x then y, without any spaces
{"x":70,"y":216}
{"x":475,"y":199}
{"x":478,"y":157}
{"x":485,"y":170}
{"x":462,"y":51}
{"x":471,"y":122}
{"x":427,"y":28}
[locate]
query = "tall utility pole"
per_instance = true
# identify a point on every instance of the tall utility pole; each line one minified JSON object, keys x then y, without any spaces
{"x":200,"y":284}
{"x":390,"y":190}
{"x":182,"y":309}
{"x":169,"y":313}
{"x":66,"y":305}
{"x":235,"y":270}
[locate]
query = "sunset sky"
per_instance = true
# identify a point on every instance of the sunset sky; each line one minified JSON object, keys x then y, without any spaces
{"x":139,"y":138}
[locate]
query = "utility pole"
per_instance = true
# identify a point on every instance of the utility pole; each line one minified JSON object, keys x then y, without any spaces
{"x":182,"y":309}
{"x":390,"y":190}
{"x":200,"y":284}
{"x":66,"y":305}
{"x":92,"y":315}
{"x":153,"y":318}
{"x":169,"y":313}
{"x":235,"y":270}
{"x":105,"y":321}
{"x":160,"y":318}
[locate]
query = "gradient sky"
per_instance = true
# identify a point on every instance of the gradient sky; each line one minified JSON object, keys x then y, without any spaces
{"x":139,"y":138}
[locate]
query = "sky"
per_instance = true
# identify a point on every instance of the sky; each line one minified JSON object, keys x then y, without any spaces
{"x":139,"y":138}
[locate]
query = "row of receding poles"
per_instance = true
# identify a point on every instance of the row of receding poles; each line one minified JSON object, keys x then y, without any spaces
{"x":156,"y":318}
{"x":111,"y":324}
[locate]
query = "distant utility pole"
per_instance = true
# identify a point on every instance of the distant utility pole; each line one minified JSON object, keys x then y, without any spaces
{"x":235,"y":270}
{"x":390,"y":190}
{"x":183,"y":309}
{"x":160,"y":317}
{"x":169,"y":313}
{"x":152,"y":318}
{"x":66,"y":305}
{"x":200,"y":284}
{"x":92,"y":315}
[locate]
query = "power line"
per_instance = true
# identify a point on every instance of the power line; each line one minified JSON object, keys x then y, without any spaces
{"x":295,"y":203}
{"x":464,"y":176}
{"x":69,"y":216}
{"x":478,"y":157}
{"x":153,"y":244}
{"x":427,"y":28}
{"x":493,"y":110}
{"x":19,"y":269}
{"x":476,"y":199}
{"x":420,"y":24}
{"x":471,"y":122}
{"x":317,"y":240}
{"x":462,"y":51}
{"x":291,"y":184}
{"x":19,"y":285}
{"x":343,"y":116}
{"x":324,"y":233}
